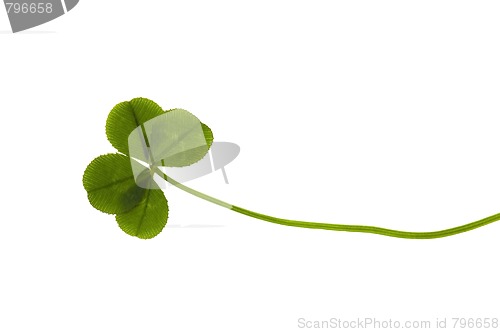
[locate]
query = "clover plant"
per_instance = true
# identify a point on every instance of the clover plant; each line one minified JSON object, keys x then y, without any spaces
{"x":147,"y":138}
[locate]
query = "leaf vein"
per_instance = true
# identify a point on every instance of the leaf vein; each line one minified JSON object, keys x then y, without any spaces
{"x":110,"y":184}
{"x":143,"y":212}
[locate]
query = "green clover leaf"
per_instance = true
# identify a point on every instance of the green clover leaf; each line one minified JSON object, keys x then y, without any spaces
{"x":110,"y":184}
{"x":127,"y":116}
{"x":148,"y":218}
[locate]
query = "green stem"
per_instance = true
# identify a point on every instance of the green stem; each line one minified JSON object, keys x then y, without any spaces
{"x":336,"y":227}
{"x":372,"y":229}
{"x":190,"y":190}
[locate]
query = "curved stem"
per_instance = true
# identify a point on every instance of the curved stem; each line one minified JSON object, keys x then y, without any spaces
{"x":372,"y":229}
{"x":336,"y":227}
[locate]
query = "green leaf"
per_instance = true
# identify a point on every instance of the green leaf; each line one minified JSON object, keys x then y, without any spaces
{"x":110,"y":184}
{"x":175,"y":139}
{"x":148,"y":218}
{"x":127,"y":116}
{"x":209,"y":136}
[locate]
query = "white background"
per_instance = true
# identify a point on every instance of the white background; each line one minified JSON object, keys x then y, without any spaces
{"x":359,"y":112}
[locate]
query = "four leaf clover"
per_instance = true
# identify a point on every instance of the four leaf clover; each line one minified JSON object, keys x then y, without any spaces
{"x":144,"y":134}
